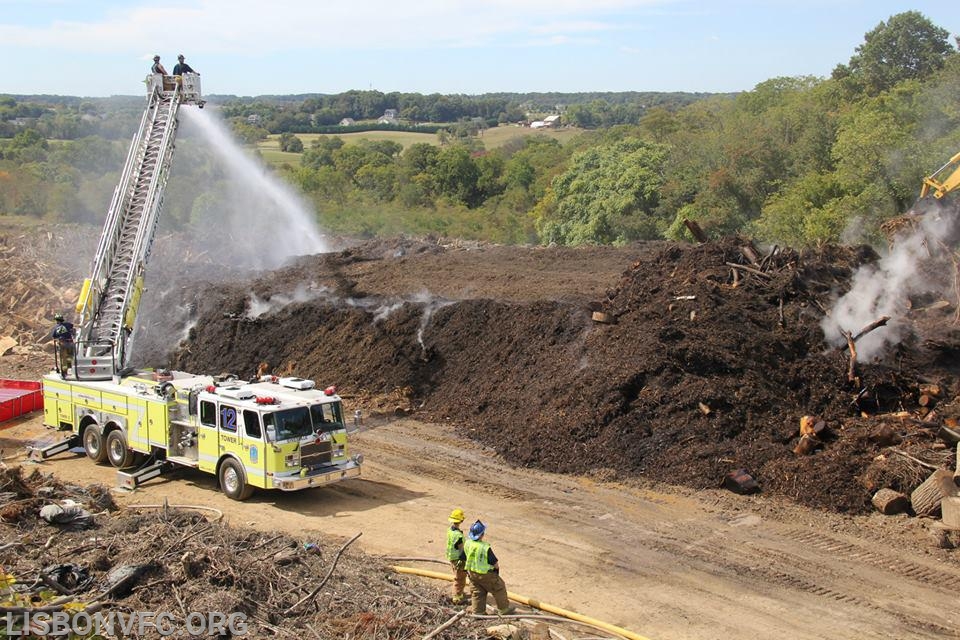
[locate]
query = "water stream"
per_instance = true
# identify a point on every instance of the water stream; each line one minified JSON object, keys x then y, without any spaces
{"x":251,"y":214}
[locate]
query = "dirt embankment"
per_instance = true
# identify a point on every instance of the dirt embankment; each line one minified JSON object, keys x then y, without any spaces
{"x":707,"y":368}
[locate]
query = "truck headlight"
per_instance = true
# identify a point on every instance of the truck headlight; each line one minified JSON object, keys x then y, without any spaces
{"x":292,"y":460}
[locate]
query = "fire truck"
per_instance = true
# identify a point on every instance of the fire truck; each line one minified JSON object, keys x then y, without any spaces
{"x":268,"y":433}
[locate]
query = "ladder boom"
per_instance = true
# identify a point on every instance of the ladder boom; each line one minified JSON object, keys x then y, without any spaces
{"x":112,"y":292}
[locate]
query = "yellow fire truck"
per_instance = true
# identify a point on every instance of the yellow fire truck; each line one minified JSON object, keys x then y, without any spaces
{"x":269,"y":433}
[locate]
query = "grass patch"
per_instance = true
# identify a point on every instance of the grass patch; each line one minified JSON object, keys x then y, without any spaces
{"x":492,"y":139}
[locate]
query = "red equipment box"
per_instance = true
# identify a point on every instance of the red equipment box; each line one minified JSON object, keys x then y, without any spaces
{"x":18,"y":397}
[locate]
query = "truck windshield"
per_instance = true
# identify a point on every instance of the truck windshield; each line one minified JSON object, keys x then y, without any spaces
{"x":302,"y":421}
{"x":287,"y":424}
{"x":326,"y":417}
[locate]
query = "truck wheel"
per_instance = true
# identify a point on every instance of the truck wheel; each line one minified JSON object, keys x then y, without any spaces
{"x":93,"y":444}
{"x":233,"y":482}
{"x":118,"y":452}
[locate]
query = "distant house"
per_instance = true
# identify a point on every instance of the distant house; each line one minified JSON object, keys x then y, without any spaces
{"x":549,"y":121}
{"x":253,"y":119}
{"x":389,"y":117}
{"x":346,"y":122}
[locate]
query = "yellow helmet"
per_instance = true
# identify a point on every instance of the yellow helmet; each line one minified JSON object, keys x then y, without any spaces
{"x":457,"y":516}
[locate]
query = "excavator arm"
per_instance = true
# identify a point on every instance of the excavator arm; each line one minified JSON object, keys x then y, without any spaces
{"x":943,"y":180}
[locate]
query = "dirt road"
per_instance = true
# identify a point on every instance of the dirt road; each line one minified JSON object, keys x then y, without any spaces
{"x":665,"y":563}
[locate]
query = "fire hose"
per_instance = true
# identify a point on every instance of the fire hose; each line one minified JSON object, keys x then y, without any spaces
{"x":536,"y":604}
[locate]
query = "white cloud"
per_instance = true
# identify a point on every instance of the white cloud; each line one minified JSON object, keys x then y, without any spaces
{"x":243,"y":26}
{"x":583,"y":26}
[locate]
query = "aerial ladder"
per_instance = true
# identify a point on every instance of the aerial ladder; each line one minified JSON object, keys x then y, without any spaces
{"x":109,"y":298}
{"x":273,"y":433}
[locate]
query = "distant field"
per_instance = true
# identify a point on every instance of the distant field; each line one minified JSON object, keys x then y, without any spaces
{"x":492,"y":138}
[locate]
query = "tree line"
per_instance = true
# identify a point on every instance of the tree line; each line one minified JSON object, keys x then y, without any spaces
{"x":795,"y":160}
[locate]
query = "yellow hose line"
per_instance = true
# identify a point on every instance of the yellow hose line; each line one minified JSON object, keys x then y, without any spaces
{"x":536,"y":604}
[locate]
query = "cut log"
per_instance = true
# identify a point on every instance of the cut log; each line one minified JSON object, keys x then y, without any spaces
{"x":741,"y":482}
{"x":820,"y":428}
{"x":695,"y":230}
{"x":950,"y":507}
{"x":604,"y":318}
{"x":926,"y":498}
{"x":933,"y":390}
{"x":750,"y":253}
{"x":806,"y":446}
{"x":948,"y":435}
{"x":890,"y":502}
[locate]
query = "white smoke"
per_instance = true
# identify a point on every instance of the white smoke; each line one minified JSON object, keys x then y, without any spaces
{"x":380,"y":308}
{"x":431,"y":304}
{"x":257,"y":307}
{"x":884,"y":288}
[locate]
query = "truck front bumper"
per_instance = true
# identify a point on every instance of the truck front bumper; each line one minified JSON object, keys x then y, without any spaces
{"x":318,"y":477}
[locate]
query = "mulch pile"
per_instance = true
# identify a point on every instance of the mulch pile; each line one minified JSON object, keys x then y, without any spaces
{"x":185,"y":562}
{"x":705,"y":369}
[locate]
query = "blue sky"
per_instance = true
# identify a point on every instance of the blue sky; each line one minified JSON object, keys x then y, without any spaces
{"x":100,"y":47}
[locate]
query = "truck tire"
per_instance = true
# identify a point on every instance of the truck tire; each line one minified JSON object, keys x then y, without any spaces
{"x":93,"y":444}
{"x":233,"y":481}
{"x":118,"y":453}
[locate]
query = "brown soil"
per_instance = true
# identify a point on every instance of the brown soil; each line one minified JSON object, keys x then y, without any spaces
{"x":702,"y":373}
{"x":493,"y":350}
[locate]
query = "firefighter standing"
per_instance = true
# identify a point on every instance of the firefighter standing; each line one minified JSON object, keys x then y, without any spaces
{"x":456,"y":555}
{"x":157,"y":67}
{"x":182,"y":67}
{"x":484,"y":570}
{"x":63,"y":336}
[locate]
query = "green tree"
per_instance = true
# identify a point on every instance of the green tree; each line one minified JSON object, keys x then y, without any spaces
{"x":609,"y":194}
{"x":908,"y":46}
{"x":248,"y":134}
{"x":290,"y":143}
{"x":456,"y":174}
{"x":320,"y":153}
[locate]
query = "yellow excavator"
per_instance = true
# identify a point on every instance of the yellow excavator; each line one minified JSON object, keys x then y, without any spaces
{"x":933,"y":198}
{"x":943,"y":180}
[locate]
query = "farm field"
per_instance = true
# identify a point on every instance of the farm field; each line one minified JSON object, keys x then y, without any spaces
{"x":491,"y":138}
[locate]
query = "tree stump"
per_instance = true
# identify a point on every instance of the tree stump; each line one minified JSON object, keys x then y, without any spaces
{"x":926,"y":498}
{"x":890,"y":502}
{"x":950,"y":507}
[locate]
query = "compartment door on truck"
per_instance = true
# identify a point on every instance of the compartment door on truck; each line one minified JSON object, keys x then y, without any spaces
{"x":208,"y":438}
{"x":254,"y":456}
{"x":236,"y":442}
